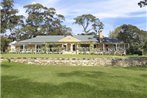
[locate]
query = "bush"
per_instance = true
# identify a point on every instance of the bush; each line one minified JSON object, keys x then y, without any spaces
{"x":133,"y":51}
{"x":138,"y":52}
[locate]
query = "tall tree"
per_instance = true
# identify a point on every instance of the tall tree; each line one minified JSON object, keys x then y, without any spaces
{"x":4,"y":43}
{"x":42,"y":21}
{"x":132,"y":35}
{"x":35,"y":19}
{"x":85,"y":20}
{"x":16,"y":32}
{"x":9,"y":19}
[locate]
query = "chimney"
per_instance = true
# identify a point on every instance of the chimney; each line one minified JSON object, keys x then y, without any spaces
{"x":100,"y":36}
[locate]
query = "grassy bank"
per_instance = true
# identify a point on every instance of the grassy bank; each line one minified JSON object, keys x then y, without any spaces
{"x":32,"y":81}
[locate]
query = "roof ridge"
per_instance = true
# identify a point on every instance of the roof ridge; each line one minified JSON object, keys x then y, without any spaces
{"x":48,"y":35}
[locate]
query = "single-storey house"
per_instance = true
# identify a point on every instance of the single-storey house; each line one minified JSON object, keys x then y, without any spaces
{"x":70,"y":44}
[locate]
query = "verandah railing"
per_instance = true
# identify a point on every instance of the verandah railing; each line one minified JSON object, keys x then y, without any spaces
{"x":81,"y":50}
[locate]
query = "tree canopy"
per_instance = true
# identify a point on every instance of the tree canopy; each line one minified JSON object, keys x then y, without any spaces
{"x":40,"y":20}
{"x":98,"y":26}
{"x":142,"y":3}
{"x":89,"y":23}
{"x":9,"y":17}
{"x":130,"y":34}
{"x":43,"y":21}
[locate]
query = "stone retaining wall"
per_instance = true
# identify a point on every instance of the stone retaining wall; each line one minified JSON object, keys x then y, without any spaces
{"x":123,"y":62}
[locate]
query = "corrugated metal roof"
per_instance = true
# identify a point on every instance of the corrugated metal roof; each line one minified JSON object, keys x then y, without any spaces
{"x":53,"y":38}
{"x":44,"y":39}
{"x":110,"y":40}
{"x":56,"y":38}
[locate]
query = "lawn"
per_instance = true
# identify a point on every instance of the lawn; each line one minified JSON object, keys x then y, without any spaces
{"x":69,"y":55}
{"x":36,"y":81}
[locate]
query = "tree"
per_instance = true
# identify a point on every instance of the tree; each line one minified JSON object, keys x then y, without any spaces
{"x":132,"y":35}
{"x":16,"y":32}
{"x":66,"y":30}
{"x":98,"y":26}
{"x":35,"y":19}
{"x":85,"y":20}
{"x":90,"y":24}
{"x":142,"y":3}
{"x":42,"y":21}
{"x":4,"y":43}
{"x":145,"y":47}
{"x":9,"y":19}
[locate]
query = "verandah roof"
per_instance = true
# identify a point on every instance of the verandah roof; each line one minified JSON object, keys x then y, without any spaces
{"x":61,"y":38}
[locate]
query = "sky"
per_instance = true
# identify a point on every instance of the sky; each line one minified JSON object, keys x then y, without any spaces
{"x":112,"y":13}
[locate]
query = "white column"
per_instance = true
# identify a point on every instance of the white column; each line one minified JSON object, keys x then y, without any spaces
{"x":128,"y":46}
{"x":77,"y":47}
{"x":71,"y":47}
{"x":124,"y":46}
{"x":66,"y":47}
{"x":62,"y":46}
{"x":103,"y":47}
{"x":77,"y":51}
{"x":35,"y":48}
{"x":116,"y":46}
{"x":23,"y":48}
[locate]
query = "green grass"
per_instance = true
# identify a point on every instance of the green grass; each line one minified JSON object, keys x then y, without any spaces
{"x":69,"y":56}
{"x":36,"y":81}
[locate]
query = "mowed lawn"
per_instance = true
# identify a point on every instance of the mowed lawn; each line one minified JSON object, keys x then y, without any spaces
{"x":8,"y":55}
{"x":61,"y":81}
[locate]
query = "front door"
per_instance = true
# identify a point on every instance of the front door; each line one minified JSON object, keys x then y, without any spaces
{"x":64,"y":46}
{"x":74,"y":47}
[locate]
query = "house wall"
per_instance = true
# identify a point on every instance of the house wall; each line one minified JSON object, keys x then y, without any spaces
{"x":30,"y":46}
{"x":12,"y":48}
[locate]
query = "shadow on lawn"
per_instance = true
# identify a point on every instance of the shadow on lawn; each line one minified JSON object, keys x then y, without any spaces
{"x":144,"y":75}
{"x":5,"y":65}
{"x":136,"y":68}
{"x":12,"y":87}
{"x":91,"y":74}
{"x":101,"y":75}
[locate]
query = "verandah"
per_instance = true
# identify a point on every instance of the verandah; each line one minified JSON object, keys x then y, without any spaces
{"x":72,"y":47}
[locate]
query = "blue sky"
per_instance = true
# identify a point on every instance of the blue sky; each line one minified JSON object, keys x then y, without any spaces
{"x":112,"y":13}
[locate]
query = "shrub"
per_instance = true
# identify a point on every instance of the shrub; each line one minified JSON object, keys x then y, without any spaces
{"x":133,"y":51}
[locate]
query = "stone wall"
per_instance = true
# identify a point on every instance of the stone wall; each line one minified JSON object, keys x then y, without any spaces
{"x":123,"y":62}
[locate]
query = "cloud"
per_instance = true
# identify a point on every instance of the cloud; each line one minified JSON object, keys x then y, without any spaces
{"x":103,"y":9}
{"x":48,"y":3}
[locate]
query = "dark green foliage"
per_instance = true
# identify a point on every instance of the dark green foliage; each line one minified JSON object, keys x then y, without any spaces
{"x":43,"y":21}
{"x":4,"y":44}
{"x":133,"y":50}
{"x":132,"y":35}
{"x":40,"y":21}
{"x":89,"y":23}
{"x":9,"y":19}
{"x":98,"y":26}
{"x":142,"y":3}
{"x":145,"y":48}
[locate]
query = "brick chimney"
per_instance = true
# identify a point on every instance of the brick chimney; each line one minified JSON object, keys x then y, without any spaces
{"x":100,"y":36}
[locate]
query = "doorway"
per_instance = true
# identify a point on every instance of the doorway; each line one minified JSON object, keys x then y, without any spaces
{"x":74,"y":47}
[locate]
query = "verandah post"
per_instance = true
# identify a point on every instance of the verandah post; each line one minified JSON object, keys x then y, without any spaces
{"x":35,"y":48}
